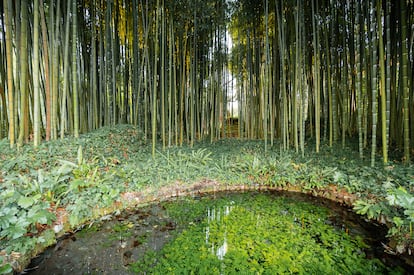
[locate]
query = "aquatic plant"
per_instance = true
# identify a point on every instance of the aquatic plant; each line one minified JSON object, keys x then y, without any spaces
{"x":257,"y":234}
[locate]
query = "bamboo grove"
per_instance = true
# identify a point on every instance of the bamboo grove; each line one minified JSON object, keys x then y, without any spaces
{"x":330,"y":71}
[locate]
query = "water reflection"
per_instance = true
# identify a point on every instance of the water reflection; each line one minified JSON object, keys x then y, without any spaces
{"x":216,"y":215}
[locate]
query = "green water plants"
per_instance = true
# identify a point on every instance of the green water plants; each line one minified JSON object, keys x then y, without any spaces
{"x":257,"y":234}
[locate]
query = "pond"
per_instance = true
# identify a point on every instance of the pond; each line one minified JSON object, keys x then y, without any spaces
{"x":225,"y":233}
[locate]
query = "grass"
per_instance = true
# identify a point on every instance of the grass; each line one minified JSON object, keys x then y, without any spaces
{"x":67,"y":182}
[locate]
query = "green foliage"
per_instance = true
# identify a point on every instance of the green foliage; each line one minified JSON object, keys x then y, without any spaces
{"x":401,"y":198}
{"x":5,"y":268}
{"x":372,"y":209}
{"x":402,"y":222}
{"x":26,"y":202}
{"x":398,"y":209}
{"x":255,"y":235}
{"x":21,"y":210}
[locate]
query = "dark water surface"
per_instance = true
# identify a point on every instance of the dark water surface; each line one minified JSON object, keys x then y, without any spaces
{"x":117,"y":244}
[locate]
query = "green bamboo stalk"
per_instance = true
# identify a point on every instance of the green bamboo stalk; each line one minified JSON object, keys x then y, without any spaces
{"x":145,"y":67}
{"x":175,"y":90}
{"x":46,"y":69}
{"x":296,"y":98}
{"x":192,"y":90}
{"x":249,"y":66}
{"x":282,"y":45}
{"x":162,"y":77}
{"x":212,"y":102}
{"x":55,"y":74}
{"x":358,"y":73}
{"x":334,"y":70}
{"x":266,"y":77}
{"x":171,"y":82}
{"x":102,"y":70}
{"x":94,"y":71}
{"x":404,"y":78}
{"x":382,"y":87}
{"x":344,"y":96}
{"x":183,"y":83}
{"x":35,"y":72}
{"x":24,"y":117}
{"x":330,"y":93}
{"x":117,"y":68}
{"x":325,"y":97}
{"x":374,"y":83}
{"x":63,"y":113}
{"x":114,"y":63}
{"x":388,"y":69}
{"x":53,"y":71}
{"x":8,"y":14}
{"x":155,"y":82}
{"x":108,"y":63}
{"x":17,"y":62}
{"x":346,"y":87}
{"x":316,"y":78}
{"x":135,"y":63}
{"x":303,"y":87}
{"x":74,"y":70}
{"x":365,"y":86}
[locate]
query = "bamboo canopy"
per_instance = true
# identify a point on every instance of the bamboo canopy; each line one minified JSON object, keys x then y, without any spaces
{"x":322,"y":71}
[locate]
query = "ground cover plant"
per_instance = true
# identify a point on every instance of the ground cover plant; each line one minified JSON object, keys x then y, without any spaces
{"x":72,"y":178}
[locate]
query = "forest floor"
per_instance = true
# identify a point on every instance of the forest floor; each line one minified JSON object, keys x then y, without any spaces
{"x":60,"y":185}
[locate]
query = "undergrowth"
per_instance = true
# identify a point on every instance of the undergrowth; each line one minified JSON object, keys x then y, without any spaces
{"x":78,"y":175}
